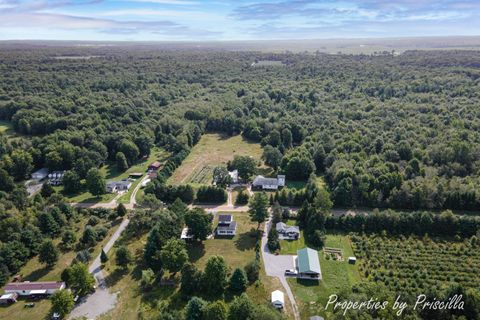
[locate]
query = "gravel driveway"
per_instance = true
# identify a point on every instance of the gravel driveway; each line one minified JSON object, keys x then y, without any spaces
{"x":101,"y":300}
{"x":275,"y":266}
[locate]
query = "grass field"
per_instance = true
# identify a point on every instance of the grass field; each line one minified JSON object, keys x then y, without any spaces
{"x":110,"y":172}
{"x":212,"y":150}
{"x":237,"y":251}
{"x":337,"y":277}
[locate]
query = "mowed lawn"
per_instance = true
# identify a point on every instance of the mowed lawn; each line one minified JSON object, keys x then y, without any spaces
{"x":237,"y":251}
{"x":337,"y":276}
{"x":212,"y":150}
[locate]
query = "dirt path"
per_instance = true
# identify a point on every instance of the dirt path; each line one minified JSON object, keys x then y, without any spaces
{"x":101,"y":301}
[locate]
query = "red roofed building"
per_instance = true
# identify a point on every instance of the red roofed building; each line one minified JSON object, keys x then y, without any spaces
{"x":154,"y":166}
{"x":34,"y":288}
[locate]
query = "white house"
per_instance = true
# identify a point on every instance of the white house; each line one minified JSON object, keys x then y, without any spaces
{"x":262,"y":183}
{"x":28,"y":288}
{"x":278,"y":299}
{"x":288,"y":232}
{"x":234,"y":175}
{"x":186,"y":234}
{"x":226,"y":225}
{"x":40,"y":174}
{"x":55,"y":178}
{"x":117,"y":186}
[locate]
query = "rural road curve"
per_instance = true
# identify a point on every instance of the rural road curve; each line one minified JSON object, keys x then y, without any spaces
{"x":101,"y":300}
{"x":275,"y":266}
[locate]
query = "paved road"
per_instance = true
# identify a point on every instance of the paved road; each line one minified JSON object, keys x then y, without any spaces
{"x":101,"y":300}
{"x":275,"y":266}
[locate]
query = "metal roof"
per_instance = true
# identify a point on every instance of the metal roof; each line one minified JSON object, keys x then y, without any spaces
{"x":225,"y":217}
{"x":34,"y":285}
{"x":308,"y":261}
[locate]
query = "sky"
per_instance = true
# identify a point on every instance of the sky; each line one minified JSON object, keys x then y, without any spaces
{"x":207,"y":20}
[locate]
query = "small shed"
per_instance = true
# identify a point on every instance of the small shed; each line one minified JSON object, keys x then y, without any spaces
{"x":316,"y":318}
{"x":154,"y":166}
{"x":278,"y":299}
{"x":135,"y":175}
{"x":8,"y":298}
{"x":352,"y":260}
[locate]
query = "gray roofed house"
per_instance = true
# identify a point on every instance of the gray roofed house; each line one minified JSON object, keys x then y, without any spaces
{"x":262,"y":183}
{"x":116,"y":186}
{"x":288,"y":232}
{"x":40,"y":174}
{"x":308,"y":264}
{"x":226,"y":226}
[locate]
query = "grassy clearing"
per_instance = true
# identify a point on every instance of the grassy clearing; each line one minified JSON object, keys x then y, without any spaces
{"x":110,"y":172}
{"x":212,"y":150}
{"x":6,"y":127}
{"x":297,"y":185}
{"x":338,"y":276}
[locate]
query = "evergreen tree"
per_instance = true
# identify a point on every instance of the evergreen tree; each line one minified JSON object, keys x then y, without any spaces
{"x":103,"y":256}
{"x":48,"y":253}
{"x":238,"y":281}
{"x":195,"y":309}
{"x":258,"y":208}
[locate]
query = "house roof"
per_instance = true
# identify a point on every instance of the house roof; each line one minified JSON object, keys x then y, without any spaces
{"x":43,"y":171}
{"x":262,"y":181}
{"x":155,"y":164}
{"x":225,"y":218}
{"x":278,"y":295}
{"x":231,"y":226}
{"x":316,"y":318}
{"x":295,"y":229}
{"x":308,"y":261}
{"x":34,"y":285}
{"x":282,"y":227}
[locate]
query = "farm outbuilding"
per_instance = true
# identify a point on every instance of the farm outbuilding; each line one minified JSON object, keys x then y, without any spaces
{"x":278,"y":299}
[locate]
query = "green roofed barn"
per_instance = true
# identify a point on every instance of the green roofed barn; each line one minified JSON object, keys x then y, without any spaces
{"x":308,"y":264}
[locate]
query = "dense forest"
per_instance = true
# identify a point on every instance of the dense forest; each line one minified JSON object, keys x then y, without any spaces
{"x":385,"y":131}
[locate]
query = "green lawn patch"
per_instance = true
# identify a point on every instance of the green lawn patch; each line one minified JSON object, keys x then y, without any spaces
{"x":297,"y":185}
{"x":237,"y":251}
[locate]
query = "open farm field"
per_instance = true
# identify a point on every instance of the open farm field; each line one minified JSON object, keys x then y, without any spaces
{"x":212,"y":150}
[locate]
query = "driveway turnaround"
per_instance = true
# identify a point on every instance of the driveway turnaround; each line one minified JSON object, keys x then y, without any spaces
{"x":275,"y":266}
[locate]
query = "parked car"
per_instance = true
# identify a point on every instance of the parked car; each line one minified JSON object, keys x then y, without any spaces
{"x":29,"y":305}
{"x":56,"y":316}
{"x":291,"y":272}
